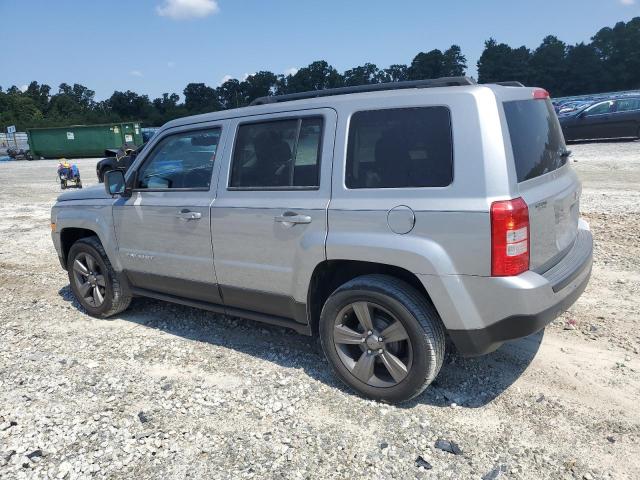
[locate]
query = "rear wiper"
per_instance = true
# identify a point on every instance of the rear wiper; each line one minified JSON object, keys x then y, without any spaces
{"x":566,"y":153}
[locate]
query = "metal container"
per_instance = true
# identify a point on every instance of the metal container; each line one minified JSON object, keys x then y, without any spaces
{"x":82,"y":140}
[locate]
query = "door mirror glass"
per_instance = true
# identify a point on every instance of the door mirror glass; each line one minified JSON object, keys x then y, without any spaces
{"x":114,"y":182}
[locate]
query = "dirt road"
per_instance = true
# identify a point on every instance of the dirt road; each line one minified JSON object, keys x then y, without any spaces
{"x":166,"y":391}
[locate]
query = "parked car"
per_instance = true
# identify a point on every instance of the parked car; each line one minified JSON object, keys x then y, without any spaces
{"x":613,"y":118}
{"x":383,"y":218}
{"x":122,"y":160}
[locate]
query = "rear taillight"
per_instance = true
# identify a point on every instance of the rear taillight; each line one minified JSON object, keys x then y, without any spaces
{"x":540,"y":94}
{"x":509,"y":237}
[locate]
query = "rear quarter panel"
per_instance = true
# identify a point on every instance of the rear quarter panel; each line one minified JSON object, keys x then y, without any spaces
{"x":452,"y":230}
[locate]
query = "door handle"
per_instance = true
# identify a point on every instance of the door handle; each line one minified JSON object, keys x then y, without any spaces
{"x":186,"y":214}
{"x":292,"y":218}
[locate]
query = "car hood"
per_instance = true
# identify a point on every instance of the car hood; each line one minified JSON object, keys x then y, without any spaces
{"x":89,"y":193}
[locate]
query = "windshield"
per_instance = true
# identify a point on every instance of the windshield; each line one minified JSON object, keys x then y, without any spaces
{"x":536,"y":137}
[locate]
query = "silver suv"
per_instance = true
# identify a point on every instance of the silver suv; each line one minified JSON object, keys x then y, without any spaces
{"x":386,"y":219}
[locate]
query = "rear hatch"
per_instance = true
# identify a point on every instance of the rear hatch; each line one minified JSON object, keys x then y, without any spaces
{"x":551,"y":192}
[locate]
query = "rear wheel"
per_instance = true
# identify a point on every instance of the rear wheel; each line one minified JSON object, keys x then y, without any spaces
{"x":93,"y":281}
{"x":382,"y":338}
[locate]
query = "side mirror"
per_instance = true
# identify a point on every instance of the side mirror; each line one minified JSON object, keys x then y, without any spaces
{"x":114,"y":183}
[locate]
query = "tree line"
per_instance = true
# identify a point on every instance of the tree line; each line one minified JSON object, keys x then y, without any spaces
{"x":610,"y":62}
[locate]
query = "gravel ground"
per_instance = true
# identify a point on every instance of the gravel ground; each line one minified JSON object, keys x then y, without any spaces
{"x":165,"y":391}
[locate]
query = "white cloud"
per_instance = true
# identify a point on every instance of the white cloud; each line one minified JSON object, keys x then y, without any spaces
{"x":135,"y":73}
{"x":247,"y":75}
{"x":171,"y":64}
{"x":628,"y":2}
{"x":291,"y":71}
{"x":23,"y":88}
{"x":187,"y":9}
{"x":225,"y":79}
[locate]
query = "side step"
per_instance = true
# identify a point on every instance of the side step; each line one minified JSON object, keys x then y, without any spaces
{"x":234,"y":312}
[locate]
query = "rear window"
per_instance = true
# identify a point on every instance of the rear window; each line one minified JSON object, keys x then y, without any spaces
{"x":400,"y":148}
{"x":536,"y":137}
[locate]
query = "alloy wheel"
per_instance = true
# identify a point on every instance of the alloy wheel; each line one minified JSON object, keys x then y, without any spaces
{"x":89,"y":279}
{"x":372,"y":344}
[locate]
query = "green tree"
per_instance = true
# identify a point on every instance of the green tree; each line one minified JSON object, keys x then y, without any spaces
{"x":19,"y":110}
{"x":363,"y":75}
{"x":619,"y":50}
{"x":39,"y":94}
{"x":548,"y":67}
{"x":586,"y":70}
{"x":500,"y":62}
{"x":129,"y":105}
{"x":426,"y":65}
{"x":396,"y":73}
{"x":166,"y":108}
{"x":454,"y":63}
{"x":319,"y":75}
{"x":230,"y":94}
{"x":435,"y":64}
{"x":199,"y":98}
{"x":260,"y":84}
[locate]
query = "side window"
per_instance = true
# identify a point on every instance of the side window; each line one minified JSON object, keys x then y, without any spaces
{"x":400,"y":148}
{"x":599,"y":109}
{"x":628,"y":104}
{"x":277,"y":154}
{"x":183,"y":160}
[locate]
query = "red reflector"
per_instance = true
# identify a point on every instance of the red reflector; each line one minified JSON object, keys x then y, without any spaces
{"x":509,"y":237}
{"x":540,"y":94}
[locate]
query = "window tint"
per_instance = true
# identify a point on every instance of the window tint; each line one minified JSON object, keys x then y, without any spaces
{"x":184,"y":160}
{"x":400,"y":148}
{"x":628,"y":104}
{"x":277,"y":154}
{"x":599,"y":109}
{"x":536,"y":137}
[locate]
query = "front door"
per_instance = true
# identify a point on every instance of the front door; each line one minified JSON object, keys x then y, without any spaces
{"x":269,"y":221}
{"x":595,"y":121}
{"x":164,"y":228}
{"x":627,"y":117}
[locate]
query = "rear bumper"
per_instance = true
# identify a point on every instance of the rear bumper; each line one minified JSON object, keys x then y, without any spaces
{"x":486,"y":340}
{"x":481,"y":313}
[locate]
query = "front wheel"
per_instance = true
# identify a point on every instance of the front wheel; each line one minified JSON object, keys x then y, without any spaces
{"x":93,"y":281}
{"x":382,"y":338}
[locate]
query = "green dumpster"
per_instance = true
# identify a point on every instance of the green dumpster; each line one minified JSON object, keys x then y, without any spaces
{"x":82,"y":140}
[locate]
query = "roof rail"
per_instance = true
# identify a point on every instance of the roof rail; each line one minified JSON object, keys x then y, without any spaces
{"x":510,"y":83}
{"x":374,"y":87}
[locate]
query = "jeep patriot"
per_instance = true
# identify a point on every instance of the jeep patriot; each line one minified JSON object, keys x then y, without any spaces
{"x":391,"y":220}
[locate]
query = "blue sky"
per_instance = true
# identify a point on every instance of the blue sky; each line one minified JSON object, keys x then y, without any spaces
{"x":156,"y":46}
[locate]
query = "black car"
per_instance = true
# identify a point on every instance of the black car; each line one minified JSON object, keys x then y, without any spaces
{"x":615,"y":118}
{"x":122,"y":160}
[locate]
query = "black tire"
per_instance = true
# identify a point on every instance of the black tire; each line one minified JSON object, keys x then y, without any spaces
{"x":115,"y":298}
{"x":417,"y":315}
{"x":101,"y":175}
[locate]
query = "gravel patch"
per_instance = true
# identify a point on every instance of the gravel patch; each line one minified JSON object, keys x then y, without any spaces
{"x":167,"y":391}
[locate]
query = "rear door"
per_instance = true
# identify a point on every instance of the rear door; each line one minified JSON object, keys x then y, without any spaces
{"x":164,"y":228}
{"x":549,"y":187}
{"x":627,"y":117}
{"x":269,"y":221}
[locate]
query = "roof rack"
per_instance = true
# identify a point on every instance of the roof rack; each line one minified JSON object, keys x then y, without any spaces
{"x":375,"y":87}
{"x":511,"y":83}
